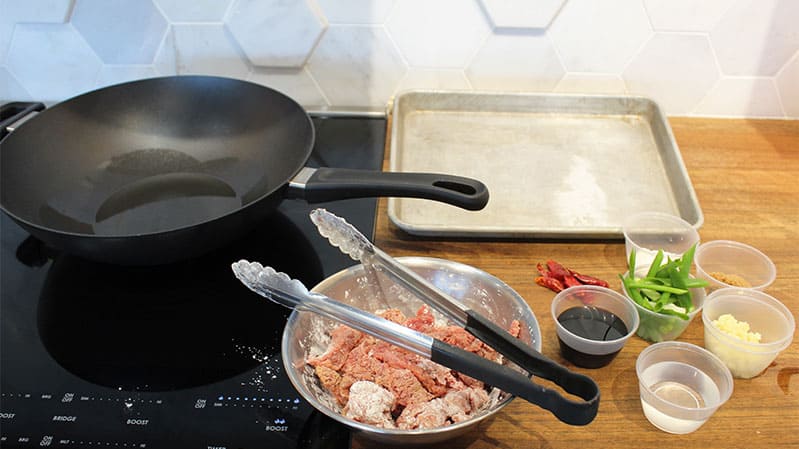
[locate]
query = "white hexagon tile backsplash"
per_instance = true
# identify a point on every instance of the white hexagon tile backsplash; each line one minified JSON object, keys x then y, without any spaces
{"x":729,"y":58}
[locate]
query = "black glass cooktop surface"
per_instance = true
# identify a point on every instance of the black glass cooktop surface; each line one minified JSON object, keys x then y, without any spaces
{"x":180,"y":355}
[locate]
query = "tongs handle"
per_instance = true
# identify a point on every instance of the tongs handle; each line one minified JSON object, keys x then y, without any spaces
{"x":535,"y":363}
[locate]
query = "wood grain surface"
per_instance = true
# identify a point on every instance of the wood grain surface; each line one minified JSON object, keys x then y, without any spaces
{"x":745,"y":173}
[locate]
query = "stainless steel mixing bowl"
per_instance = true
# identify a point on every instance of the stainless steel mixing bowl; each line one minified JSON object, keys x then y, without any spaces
{"x":307,"y":334}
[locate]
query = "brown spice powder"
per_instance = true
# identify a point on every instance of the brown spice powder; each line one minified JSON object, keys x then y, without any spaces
{"x":731,"y":279}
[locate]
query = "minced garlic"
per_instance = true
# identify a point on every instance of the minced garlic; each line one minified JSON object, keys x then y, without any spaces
{"x":739,"y":329}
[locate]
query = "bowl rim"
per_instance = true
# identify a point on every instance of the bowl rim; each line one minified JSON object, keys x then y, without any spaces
{"x":382,"y":432}
{"x":719,"y":296}
{"x":702,"y":247}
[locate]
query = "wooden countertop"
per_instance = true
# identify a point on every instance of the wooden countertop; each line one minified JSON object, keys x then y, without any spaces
{"x":745,"y":175}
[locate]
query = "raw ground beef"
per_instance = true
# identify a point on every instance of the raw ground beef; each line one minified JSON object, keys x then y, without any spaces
{"x":386,"y":386}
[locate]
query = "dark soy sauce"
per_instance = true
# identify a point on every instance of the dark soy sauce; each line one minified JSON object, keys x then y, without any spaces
{"x":593,"y":323}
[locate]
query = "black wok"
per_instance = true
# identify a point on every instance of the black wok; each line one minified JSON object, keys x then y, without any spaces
{"x":163,"y":169}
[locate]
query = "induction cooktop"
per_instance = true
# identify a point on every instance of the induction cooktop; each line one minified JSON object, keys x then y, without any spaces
{"x":179,"y":355}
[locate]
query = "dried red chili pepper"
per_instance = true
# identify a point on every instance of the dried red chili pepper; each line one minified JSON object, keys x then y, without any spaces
{"x":557,"y":270}
{"x":589,"y":280}
{"x":543,"y":269}
{"x":550,"y":283}
{"x":556,"y":277}
{"x":570,"y":281}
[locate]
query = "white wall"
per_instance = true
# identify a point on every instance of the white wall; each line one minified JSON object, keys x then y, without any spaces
{"x":736,"y":58}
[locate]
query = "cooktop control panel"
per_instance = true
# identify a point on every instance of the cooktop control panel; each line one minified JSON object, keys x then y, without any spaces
{"x":124,"y":420}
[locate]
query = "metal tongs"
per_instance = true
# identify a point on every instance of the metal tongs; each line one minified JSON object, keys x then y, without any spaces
{"x":280,"y":288}
{"x":351,"y":242}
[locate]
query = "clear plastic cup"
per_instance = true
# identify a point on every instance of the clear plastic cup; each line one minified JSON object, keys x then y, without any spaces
{"x":724,"y":263}
{"x":681,"y":385}
{"x":593,"y":323}
{"x":648,"y":232}
{"x":763,"y":313}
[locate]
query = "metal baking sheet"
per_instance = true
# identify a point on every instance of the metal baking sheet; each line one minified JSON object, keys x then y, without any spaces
{"x":556,"y":166}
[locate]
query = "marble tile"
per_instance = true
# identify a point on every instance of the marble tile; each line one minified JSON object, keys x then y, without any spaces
{"x":296,"y":83}
{"x":599,"y":36}
{"x":52,"y":61}
{"x":115,"y":74}
{"x":686,"y":15}
{"x":516,"y":63}
{"x":749,"y":97}
{"x":521,"y":13}
{"x":357,"y":66}
{"x":437,"y":34}
{"x":120,"y":31}
{"x":676,"y":70}
{"x":207,"y":50}
{"x":11,"y":89}
{"x":177,"y":11}
{"x":350,"y":12}
{"x":275,"y":33}
{"x":788,"y":87}
{"x":756,"y":37}
{"x":437,"y":79}
{"x":166,"y":58}
{"x":6,"y":30}
{"x":591,"y":83}
{"x":38,"y":11}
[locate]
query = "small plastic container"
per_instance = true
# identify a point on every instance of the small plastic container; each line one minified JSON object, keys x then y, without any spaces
{"x":656,"y":327}
{"x":724,"y":263}
{"x":681,"y":385}
{"x":648,"y":232}
{"x":764,"y":314}
{"x":593,"y":324}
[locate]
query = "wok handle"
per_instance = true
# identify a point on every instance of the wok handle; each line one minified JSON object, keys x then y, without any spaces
{"x":11,"y":113}
{"x":577,"y":413}
{"x":326,"y":184}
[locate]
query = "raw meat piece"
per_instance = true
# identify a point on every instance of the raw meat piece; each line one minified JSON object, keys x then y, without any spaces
{"x":463,"y":404}
{"x":405,"y":386}
{"x":371,"y":404}
{"x":515,"y":328}
{"x":363,"y":364}
{"x":394,"y":315}
{"x":460,"y":337}
{"x":423,"y":321}
{"x":456,"y":406}
{"x":330,"y":379}
{"x":435,"y":378}
{"x":424,"y":415}
{"x":342,"y":340}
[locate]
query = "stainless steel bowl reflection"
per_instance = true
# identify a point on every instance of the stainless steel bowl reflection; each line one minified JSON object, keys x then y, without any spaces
{"x":307,"y":334}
